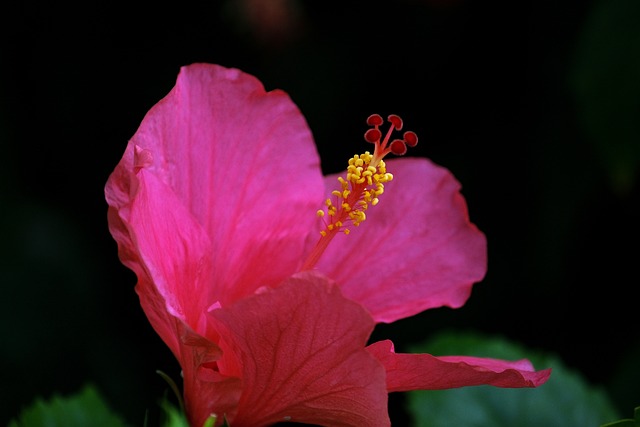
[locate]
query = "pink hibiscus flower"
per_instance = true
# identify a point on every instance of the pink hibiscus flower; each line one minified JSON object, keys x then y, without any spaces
{"x":267,"y":307}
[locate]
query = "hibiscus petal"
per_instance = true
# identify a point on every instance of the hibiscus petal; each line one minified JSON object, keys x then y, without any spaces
{"x":232,"y":154}
{"x":407,"y":372}
{"x":166,"y":248}
{"x":302,"y":352}
{"x":206,"y":391}
{"x":417,"y":249}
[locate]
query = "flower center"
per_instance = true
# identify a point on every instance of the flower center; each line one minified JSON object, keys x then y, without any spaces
{"x":363,"y":185}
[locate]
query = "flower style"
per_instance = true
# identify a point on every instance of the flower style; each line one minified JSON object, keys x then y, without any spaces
{"x":267,"y":307}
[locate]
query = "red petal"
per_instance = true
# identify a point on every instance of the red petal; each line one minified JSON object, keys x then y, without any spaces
{"x":425,"y":250}
{"x":231,"y":156}
{"x":302,"y":352}
{"x":206,"y":391}
{"x":407,"y":372}
{"x":160,"y":241}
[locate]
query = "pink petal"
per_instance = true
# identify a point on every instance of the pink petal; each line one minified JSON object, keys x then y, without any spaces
{"x":417,"y":249}
{"x":302,"y":352}
{"x":240,"y":161}
{"x":159,"y":240}
{"x":407,"y":372}
{"x":206,"y":391}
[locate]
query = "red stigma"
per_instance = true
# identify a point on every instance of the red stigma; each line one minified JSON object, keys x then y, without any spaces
{"x":373,"y":135}
{"x":410,"y":138}
{"x":397,"y":146}
{"x":396,"y":121}
{"x":375,"y":120}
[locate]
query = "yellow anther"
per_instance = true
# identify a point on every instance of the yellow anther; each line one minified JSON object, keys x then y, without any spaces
{"x":357,"y":217}
{"x":360,"y":189}
{"x":362,"y":186}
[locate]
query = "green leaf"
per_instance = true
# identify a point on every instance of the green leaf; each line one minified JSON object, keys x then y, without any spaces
{"x":174,"y":417}
{"x":565,"y":400}
{"x":626,"y":422}
{"x":85,"y":408}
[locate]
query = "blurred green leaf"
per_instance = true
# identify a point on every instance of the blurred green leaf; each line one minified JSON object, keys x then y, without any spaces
{"x":85,"y":408}
{"x":624,"y":386}
{"x":626,"y":422}
{"x":565,"y":400}
{"x":174,"y":417}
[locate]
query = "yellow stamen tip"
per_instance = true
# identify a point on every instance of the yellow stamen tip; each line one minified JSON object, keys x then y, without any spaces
{"x":360,"y":190}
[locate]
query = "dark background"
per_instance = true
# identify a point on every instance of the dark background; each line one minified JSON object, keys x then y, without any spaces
{"x":533,"y":105}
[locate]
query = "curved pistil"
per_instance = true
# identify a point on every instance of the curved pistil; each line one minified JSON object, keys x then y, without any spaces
{"x":363,"y":185}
